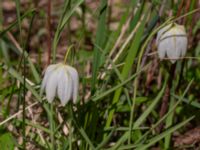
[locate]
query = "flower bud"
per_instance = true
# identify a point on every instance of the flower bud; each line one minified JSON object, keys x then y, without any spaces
{"x":172,"y":42}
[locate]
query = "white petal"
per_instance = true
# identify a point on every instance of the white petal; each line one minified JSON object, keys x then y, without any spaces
{"x":163,"y":42}
{"x":64,"y":87}
{"x":48,"y":72}
{"x":75,"y":79}
{"x":51,"y":85}
{"x":161,"y":33}
{"x":173,"y":52}
{"x":161,"y":51}
{"x":183,"y":47}
{"x":181,"y":39}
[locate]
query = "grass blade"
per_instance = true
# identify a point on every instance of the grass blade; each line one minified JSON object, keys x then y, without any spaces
{"x":128,"y":64}
{"x":100,"y":40}
{"x":164,"y":134}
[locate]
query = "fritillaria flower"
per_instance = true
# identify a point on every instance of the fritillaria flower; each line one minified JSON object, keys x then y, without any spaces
{"x":60,"y":80}
{"x":172,"y":42}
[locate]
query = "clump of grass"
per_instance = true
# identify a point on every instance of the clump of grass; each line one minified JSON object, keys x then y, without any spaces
{"x":121,"y":90}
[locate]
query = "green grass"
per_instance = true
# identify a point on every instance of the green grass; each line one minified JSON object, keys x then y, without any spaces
{"x":121,"y":91}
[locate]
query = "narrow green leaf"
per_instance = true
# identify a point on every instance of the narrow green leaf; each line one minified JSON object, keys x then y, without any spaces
{"x":16,"y":75}
{"x":98,"y":97}
{"x":144,"y":115}
{"x":100,"y":40}
{"x":67,"y":13}
{"x":128,"y":64}
{"x":169,"y":121}
{"x":17,"y":2}
{"x":105,"y":140}
{"x":27,"y":13}
{"x":163,"y":134}
{"x":192,"y":103}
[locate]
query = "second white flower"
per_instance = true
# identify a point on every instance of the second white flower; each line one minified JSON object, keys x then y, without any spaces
{"x":172,"y":42}
{"x":61,"y":80}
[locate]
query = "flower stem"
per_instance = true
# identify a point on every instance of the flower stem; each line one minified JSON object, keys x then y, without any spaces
{"x":52,"y":127}
{"x":67,"y":53}
{"x":166,"y":97}
{"x":49,"y":31}
{"x":70,"y":125}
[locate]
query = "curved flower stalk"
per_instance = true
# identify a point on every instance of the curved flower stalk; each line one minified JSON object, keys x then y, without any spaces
{"x":60,"y":80}
{"x":172,"y":42}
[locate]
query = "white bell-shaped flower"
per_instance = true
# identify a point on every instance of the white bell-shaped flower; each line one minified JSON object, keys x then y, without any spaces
{"x":60,"y":80}
{"x":172,"y":42}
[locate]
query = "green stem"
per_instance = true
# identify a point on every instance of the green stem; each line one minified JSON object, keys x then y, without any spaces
{"x":138,"y":67}
{"x":70,"y":125}
{"x":67,"y":53}
{"x":52,"y":127}
{"x":80,"y":129}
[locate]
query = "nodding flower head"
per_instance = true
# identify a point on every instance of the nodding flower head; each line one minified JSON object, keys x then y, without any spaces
{"x":172,"y":42}
{"x":60,"y":80}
